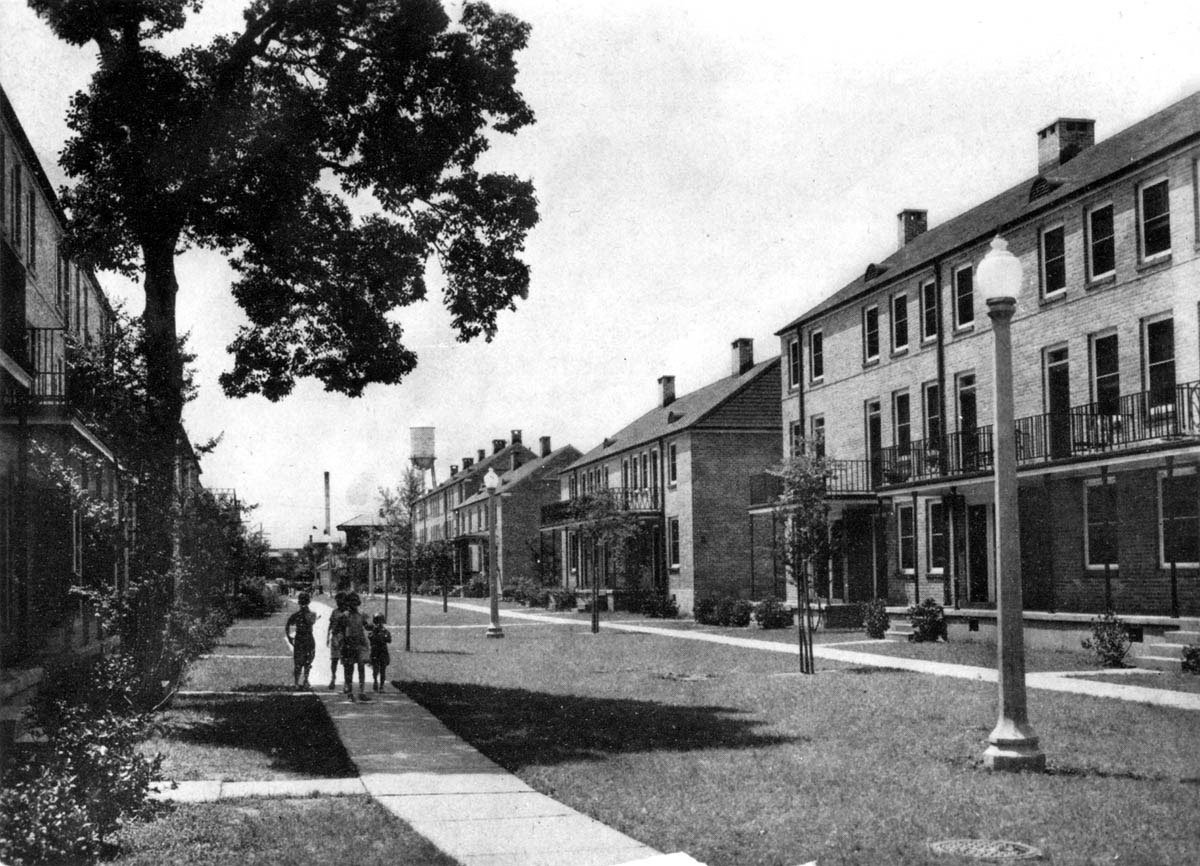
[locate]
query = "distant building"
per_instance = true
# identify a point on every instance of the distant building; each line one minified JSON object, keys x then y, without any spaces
{"x":682,"y":468}
{"x":892,"y":376}
{"x":522,"y":492}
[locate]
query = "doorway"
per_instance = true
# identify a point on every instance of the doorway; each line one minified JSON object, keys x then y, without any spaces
{"x":977,"y":554}
{"x":1058,"y":402}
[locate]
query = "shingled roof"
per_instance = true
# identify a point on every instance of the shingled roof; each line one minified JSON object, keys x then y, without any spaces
{"x":513,"y":477}
{"x":499,"y":459}
{"x":683,"y":413}
{"x":1140,"y":143}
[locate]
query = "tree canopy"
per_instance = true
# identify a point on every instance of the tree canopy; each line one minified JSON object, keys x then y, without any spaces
{"x":258,"y":143}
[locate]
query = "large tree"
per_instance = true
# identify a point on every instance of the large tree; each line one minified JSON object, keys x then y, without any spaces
{"x":258,"y":143}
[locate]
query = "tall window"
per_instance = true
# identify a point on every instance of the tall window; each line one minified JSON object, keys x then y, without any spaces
{"x":1100,"y":505}
{"x":794,"y":363}
{"x":1179,"y":518}
{"x":929,"y":310}
{"x":1054,"y":261}
{"x":899,"y":322}
{"x":1160,"y":361}
{"x":818,"y":435}
{"x":795,"y":438}
{"x":1154,"y":227}
{"x":16,"y":205}
{"x":1106,"y":378}
{"x":654,"y":479}
{"x":938,"y":550}
{"x":672,"y":464}
{"x":32,"y":214}
{"x":816,"y":355}
{"x":673,"y":542}
{"x":933,"y":414}
{"x":871,"y":334}
{"x":907,"y":536}
{"x":1102,"y":250}
{"x":645,"y":469}
{"x":964,"y":297}
{"x":902,"y":421}
{"x":625,"y":474}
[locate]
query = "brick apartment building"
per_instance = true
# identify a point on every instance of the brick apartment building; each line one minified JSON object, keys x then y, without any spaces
{"x":46,"y":299}
{"x":682,"y":469}
{"x":892,"y":376}
{"x":523,"y":490}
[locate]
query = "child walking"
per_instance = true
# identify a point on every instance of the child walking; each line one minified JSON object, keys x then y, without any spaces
{"x":356,"y":650}
{"x":333,"y":638}
{"x":304,"y":644}
{"x":380,"y":638}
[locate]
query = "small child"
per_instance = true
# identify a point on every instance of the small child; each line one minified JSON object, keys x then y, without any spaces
{"x":380,"y":637}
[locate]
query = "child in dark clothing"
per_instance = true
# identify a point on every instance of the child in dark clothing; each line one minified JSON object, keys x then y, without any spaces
{"x":380,"y":637}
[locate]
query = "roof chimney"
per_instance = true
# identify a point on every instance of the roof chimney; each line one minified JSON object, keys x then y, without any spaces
{"x":516,"y":437}
{"x":467,"y":463}
{"x":1063,"y":140}
{"x":913,"y":222}
{"x":743,"y":355}
{"x":666,"y":387}
{"x":497,"y":446}
{"x":479,"y":455}
{"x":545,"y":441}
{"x":453,"y":470}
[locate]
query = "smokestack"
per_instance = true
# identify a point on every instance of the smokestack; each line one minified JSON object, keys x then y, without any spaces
{"x":912,"y":223}
{"x":666,"y":389}
{"x":326,"y":504}
{"x":545,"y":441}
{"x":497,"y":446}
{"x":516,"y":437}
{"x":743,"y":355}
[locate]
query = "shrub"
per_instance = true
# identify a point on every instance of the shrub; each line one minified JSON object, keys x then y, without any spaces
{"x":928,"y":622}
{"x":477,"y":588}
{"x":1191,"y":659}
{"x":734,"y":612}
{"x":706,"y":611}
{"x":256,"y":599}
{"x":1109,"y":640}
{"x":659,"y":605}
{"x":62,"y":800}
{"x":771,"y":613}
{"x":875,"y":618}
{"x":563,"y":599}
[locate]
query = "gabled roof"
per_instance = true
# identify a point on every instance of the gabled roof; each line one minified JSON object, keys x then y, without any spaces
{"x":478,"y":470}
{"x":360,"y":521}
{"x":525,"y":471}
{"x":1093,"y":166}
{"x":683,"y":413}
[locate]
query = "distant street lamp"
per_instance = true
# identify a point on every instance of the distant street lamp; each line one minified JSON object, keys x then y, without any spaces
{"x":491,"y":481}
{"x":1012,"y":745}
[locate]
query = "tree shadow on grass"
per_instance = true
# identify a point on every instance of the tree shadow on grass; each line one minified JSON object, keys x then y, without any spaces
{"x":296,"y":734}
{"x":518,"y":728}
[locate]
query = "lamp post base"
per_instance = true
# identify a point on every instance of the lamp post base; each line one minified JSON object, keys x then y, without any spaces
{"x":1013,"y":751}
{"x":495,"y":631}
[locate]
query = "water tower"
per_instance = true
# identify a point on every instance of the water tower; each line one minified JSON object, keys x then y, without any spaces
{"x":422,"y":452}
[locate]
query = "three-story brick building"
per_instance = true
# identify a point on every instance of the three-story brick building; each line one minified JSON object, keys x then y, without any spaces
{"x":893,"y":375}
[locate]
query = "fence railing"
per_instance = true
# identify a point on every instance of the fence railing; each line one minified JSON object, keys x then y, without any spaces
{"x":626,"y":498}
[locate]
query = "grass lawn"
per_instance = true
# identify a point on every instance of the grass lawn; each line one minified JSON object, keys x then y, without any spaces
{"x":658,"y":737}
{"x":269,"y":732}
{"x":1171,"y":680}
{"x":280,"y":832}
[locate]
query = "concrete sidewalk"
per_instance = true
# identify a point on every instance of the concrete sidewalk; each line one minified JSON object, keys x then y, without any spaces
{"x":462,"y":802}
{"x":1072,"y":682}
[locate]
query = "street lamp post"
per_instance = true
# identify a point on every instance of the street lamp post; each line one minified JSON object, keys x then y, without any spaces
{"x":491,"y":481}
{"x":1012,"y":745}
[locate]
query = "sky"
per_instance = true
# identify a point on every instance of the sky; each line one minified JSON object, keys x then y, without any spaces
{"x":705,"y":171}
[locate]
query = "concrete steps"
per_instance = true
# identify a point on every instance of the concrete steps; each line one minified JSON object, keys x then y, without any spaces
{"x":1165,"y":653}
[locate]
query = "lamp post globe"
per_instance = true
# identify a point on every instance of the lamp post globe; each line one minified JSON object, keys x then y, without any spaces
{"x":1012,"y":744}
{"x":491,"y":481}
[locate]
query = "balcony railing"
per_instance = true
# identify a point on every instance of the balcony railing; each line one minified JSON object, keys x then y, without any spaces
{"x":628,"y":499}
{"x":846,"y":478}
{"x":1115,"y":425}
{"x":962,"y":453}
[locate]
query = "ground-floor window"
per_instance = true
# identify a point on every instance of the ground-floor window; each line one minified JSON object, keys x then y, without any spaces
{"x":906,"y":521}
{"x":938,"y":537}
{"x":673,"y":542}
{"x":1100,"y":535}
{"x":1179,"y":518}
